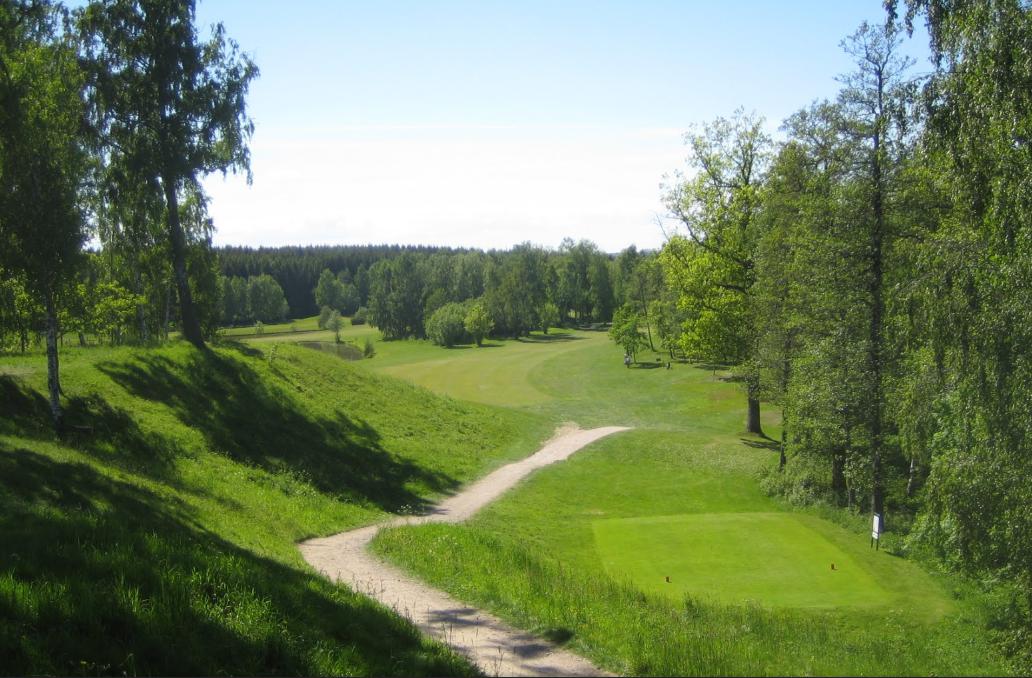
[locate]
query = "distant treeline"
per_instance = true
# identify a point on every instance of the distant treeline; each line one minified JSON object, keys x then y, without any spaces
{"x":297,"y":269}
{"x":521,"y":289}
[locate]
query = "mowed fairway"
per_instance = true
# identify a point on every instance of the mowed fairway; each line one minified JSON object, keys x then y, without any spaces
{"x":765,"y":558}
{"x":497,"y":373}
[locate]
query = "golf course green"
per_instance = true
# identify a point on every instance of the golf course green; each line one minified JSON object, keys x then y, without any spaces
{"x":764,"y":558}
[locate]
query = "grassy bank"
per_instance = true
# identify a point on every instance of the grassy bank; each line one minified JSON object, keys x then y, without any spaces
{"x":159,"y":536}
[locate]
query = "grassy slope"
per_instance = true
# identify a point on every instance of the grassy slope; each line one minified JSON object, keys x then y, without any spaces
{"x":533,"y":556}
{"x":162,"y":540}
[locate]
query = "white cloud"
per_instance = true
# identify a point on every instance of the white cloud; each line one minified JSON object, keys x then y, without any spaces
{"x":481,"y":187}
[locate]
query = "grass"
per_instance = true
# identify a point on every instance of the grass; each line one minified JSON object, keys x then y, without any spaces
{"x":159,"y":536}
{"x":771,"y":559}
{"x":577,"y":551}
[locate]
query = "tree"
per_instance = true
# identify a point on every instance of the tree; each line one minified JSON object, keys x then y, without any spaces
{"x":626,"y":331}
{"x":478,"y":323}
{"x":171,"y":108}
{"x":396,"y":297}
{"x":44,"y":163}
{"x":329,"y":291}
{"x":973,"y":295}
{"x":873,"y":102}
{"x":266,"y":300}
{"x":548,"y":316}
{"x":712,"y":265}
{"x":334,"y":323}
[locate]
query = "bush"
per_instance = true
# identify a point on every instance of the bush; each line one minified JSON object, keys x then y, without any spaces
{"x":360,"y":317}
{"x":446,"y":327}
{"x":368,"y":350}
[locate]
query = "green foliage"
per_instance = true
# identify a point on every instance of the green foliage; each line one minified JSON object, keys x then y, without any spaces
{"x":548,"y":316}
{"x":360,"y":317}
{"x":329,"y":292}
{"x":396,"y":297}
{"x":335,"y":323}
{"x":626,"y":332}
{"x":266,"y":300}
{"x":446,"y":327}
{"x":324,"y":316}
{"x":478,"y":323}
{"x":114,"y":308}
{"x":368,"y":348}
{"x":170,"y":108}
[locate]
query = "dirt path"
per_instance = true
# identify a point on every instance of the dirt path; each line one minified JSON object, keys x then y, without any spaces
{"x":491,"y":644}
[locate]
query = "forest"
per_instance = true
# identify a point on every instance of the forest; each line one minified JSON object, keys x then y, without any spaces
{"x":867,"y":271}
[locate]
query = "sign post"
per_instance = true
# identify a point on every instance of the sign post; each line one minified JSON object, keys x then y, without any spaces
{"x":876,"y":529}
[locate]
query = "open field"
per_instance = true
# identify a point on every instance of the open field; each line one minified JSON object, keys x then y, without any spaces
{"x":581,"y":551}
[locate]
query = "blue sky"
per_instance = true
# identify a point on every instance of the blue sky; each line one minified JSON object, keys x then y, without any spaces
{"x":485,"y":124}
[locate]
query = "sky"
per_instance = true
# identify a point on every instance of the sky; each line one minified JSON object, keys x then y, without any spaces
{"x":486,"y":124}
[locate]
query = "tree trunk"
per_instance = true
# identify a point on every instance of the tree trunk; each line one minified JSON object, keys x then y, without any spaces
{"x":53,"y":380}
{"x":752,"y":421}
{"x":187,"y":314}
{"x":82,"y":339}
{"x":168,"y":311}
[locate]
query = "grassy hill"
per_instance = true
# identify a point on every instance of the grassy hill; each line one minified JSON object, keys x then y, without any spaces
{"x":159,"y":536}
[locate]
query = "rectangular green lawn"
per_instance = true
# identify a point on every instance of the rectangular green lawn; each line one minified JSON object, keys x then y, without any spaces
{"x":773,"y":559}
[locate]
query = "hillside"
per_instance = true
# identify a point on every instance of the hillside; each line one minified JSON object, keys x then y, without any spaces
{"x":158,"y":536}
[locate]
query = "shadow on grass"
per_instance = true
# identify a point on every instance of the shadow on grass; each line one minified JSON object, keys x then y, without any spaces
{"x":766,"y":444}
{"x":99,"y":576}
{"x":254,"y":421}
{"x":549,"y":338}
{"x":712,"y":367}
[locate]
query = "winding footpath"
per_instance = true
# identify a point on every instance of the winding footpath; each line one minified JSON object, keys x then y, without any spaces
{"x":487,"y":641}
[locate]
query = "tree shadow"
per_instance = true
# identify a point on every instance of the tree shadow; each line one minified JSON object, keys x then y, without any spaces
{"x":254,"y":421}
{"x":712,"y":367}
{"x":25,"y":411}
{"x":766,"y":444}
{"x":99,"y":576}
{"x":549,"y":338}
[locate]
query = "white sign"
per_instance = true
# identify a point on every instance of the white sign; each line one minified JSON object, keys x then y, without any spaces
{"x":876,"y":526}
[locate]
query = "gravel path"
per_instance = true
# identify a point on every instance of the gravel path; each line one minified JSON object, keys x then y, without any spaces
{"x":490,"y":643}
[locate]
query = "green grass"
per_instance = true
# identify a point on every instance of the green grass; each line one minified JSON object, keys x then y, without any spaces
{"x":580,"y":551}
{"x":297,"y":325}
{"x":159,"y":536}
{"x":771,"y":559}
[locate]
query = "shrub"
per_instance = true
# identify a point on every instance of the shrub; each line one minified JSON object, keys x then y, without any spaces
{"x":360,"y":316}
{"x":446,"y":327}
